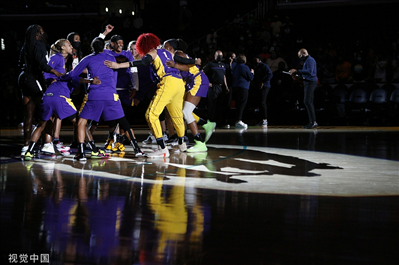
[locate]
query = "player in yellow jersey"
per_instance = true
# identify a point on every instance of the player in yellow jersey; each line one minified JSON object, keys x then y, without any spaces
{"x":170,"y":92}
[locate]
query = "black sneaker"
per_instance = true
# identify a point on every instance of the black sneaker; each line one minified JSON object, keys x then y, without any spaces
{"x":80,"y":157}
{"x":173,"y":140}
{"x":138,"y":152}
{"x":311,"y":125}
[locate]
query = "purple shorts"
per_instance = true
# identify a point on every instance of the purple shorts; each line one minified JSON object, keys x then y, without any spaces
{"x":107,"y":109}
{"x":199,"y":87}
{"x":202,"y":91}
{"x":58,"y":106}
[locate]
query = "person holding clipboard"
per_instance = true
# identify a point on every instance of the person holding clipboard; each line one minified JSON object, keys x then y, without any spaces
{"x":308,"y":74}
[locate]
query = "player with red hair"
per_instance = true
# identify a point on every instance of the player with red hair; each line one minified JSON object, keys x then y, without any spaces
{"x":170,"y":92}
{"x":147,"y":42}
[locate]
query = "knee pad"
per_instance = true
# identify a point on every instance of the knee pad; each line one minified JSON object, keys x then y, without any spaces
{"x":188,"y":109}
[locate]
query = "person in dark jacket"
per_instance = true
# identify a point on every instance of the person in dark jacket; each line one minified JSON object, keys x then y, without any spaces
{"x":242,"y":77}
{"x":33,"y":62}
{"x":262,"y":77}
{"x":310,"y":82}
{"x":216,"y":73}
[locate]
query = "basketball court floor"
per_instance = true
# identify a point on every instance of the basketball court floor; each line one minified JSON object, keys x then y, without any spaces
{"x":282,"y":195}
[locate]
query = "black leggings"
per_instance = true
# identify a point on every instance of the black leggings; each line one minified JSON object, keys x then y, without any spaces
{"x":240,"y":95}
{"x":263,"y":98}
{"x":123,"y":124}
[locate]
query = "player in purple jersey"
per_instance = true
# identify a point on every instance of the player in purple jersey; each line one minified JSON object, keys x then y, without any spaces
{"x":56,"y":103}
{"x":62,"y":49}
{"x":197,"y":85}
{"x":102,"y":99}
{"x":170,"y":91}
{"x":126,"y":86}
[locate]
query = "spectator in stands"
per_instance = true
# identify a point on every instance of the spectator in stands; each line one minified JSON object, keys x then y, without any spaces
{"x":287,"y":29}
{"x":265,"y":54}
{"x":276,"y":26}
{"x":265,"y":34}
{"x":274,"y":60}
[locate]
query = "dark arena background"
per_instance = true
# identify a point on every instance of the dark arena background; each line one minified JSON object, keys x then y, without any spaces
{"x":275,"y":195}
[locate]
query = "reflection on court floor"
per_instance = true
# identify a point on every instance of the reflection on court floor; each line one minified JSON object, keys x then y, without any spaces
{"x":243,"y":168}
{"x":300,"y":198}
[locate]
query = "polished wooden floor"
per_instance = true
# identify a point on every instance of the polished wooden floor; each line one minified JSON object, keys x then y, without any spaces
{"x":282,"y":195}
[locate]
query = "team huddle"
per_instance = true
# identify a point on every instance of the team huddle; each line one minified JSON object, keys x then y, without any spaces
{"x":113,"y":80}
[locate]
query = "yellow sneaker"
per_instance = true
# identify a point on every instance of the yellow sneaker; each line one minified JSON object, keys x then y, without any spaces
{"x":109,"y":145}
{"x":28,"y":156}
{"x":99,"y":154}
{"x":118,"y":147}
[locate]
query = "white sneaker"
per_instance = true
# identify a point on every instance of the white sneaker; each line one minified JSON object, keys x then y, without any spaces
{"x":62,"y":148}
{"x":150,"y":139}
{"x":183,"y":147}
{"x":23,"y":150}
{"x":159,"y":153}
{"x":48,"y":148}
{"x":241,"y":125}
{"x":263,"y":123}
